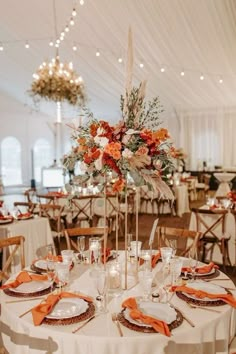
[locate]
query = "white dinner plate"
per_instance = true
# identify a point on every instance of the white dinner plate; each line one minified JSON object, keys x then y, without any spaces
{"x":157,"y":310}
{"x":67,"y":308}
{"x":204,"y":274}
{"x":6,"y":221}
{"x":41,"y":263}
{"x":208,"y":287}
{"x":32,"y":287}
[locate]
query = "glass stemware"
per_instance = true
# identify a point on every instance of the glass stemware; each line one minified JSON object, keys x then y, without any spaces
{"x":101,"y":285}
{"x":145,"y":280}
{"x":193,"y":262}
{"x":173,"y":245}
{"x":81,"y":247}
{"x":51,"y":273}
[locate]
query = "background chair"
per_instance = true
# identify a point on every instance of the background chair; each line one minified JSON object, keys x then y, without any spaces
{"x":56,"y":220}
{"x":11,"y":246}
{"x":27,"y":207}
{"x":72,"y":234}
{"x":212,"y":225}
{"x":187,"y":240}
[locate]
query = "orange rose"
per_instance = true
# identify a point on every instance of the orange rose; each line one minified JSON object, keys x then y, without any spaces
{"x":161,"y":134}
{"x":118,"y":186}
{"x":113,"y":149}
{"x":81,"y":141}
{"x":93,"y":129}
{"x":146,"y":134}
{"x":142,"y":150}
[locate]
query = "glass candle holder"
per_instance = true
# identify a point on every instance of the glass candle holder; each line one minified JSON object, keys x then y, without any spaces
{"x":114,"y":278}
{"x":95,"y":250}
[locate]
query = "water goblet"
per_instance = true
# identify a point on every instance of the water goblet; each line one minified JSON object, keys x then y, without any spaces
{"x":166,"y":254}
{"x":81,"y":247}
{"x":101,"y":285}
{"x":62,"y":273}
{"x":173,"y":245}
{"x":193,"y":263}
{"x":145,"y":280}
{"x":51,"y":272}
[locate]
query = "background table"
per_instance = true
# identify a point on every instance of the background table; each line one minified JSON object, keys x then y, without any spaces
{"x":37,"y":235}
{"x":224,"y":179}
{"x":211,"y":334}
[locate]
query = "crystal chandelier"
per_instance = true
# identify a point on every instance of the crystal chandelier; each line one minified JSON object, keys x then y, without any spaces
{"x":55,"y":81}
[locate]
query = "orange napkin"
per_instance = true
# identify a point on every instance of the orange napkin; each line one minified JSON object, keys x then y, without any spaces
{"x":228,"y":298}
{"x":24,"y":215}
{"x":201,"y":270}
{"x":155,"y":259}
{"x":40,"y":311}
{"x":24,"y":277}
{"x":107,"y":255}
{"x":137,"y":315}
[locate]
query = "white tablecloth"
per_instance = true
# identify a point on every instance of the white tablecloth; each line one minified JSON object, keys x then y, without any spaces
{"x":37,"y":234}
{"x":211,"y":334}
{"x":229,"y":230}
{"x":224,"y":179}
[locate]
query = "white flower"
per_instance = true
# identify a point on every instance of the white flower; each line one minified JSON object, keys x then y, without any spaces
{"x":98,"y":163}
{"x":132,"y":131}
{"x":126,"y":139}
{"x":101,"y":140}
{"x":127,"y":154}
{"x":83,"y":167}
{"x":158,"y":164}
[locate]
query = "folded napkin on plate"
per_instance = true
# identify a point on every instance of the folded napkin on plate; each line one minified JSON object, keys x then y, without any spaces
{"x":155,"y":259}
{"x":137,"y":315}
{"x":24,"y":277}
{"x":228,"y":298}
{"x":24,"y":215}
{"x":201,"y":270}
{"x":6,"y":217}
{"x":40,"y":311}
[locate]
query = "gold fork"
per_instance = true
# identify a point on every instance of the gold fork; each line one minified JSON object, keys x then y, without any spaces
{"x":115,"y":320}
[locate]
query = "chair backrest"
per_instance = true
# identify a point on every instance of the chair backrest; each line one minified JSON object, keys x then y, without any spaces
{"x":187,"y":240}
{"x":30,"y":194}
{"x":83,"y":231}
{"x":12,"y":245}
{"x":54,"y":214}
{"x":216,"y":220}
{"x":26,"y":206}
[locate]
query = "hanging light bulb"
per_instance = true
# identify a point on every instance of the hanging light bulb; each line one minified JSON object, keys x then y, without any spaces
{"x":51,"y":43}
{"x":97,"y":53}
{"x":182,"y":73}
{"x":141,"y":65}
{"x":1,"y":47}
{"x":74,"y":12}
{"x":27,"y":45}
{"x":81,"y":2}
{"x":201,"y":77}
{"x":163,"y":70}
{"x":67,"y":28}
{"x":74,"y":48}
{"x":120,"y":60}
{"x":72,"y":22}
{"x":220,"y":81}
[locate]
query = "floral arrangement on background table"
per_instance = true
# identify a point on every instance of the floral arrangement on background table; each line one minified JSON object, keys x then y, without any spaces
{"x":137,"y":145}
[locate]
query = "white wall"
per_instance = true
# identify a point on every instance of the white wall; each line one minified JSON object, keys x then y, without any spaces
{"x":20,"y":122}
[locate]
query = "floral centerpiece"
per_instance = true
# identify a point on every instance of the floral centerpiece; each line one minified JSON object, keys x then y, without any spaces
{"x":136,"y":145}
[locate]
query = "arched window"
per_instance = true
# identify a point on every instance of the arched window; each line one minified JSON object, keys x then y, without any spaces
{"x":43,"y":157}
{"x":11,"y":161}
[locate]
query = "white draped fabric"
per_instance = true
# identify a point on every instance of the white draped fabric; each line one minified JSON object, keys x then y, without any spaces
{"x":209,"y":135}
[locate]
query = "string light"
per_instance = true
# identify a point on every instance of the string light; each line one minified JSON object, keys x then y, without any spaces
{"x":162,"y":70}
{"x":51,"y":43}
{"x":67,"y":28}
{"x":27,"y":45}
{"x":1,"y":47}
{"x":81,"y":2}
{"x":74,"y":12}
{"x":182,"y":73}
{"x":201,"y":77}
{"x":74,"y":48}
{"x":97,"y":53}
{"x":141,"y":65}
{"x":120,"y":60}
{"x":220,"y":81}
{"x":72,"y":22}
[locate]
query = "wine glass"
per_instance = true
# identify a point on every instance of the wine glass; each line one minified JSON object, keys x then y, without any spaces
{"x":101,"y":285}
{"x":193,"y":262}
{"x":145,"y":280}
{"x":81,"y":247}
{"x":62,"y":273}
{"x":51,"y":272}
{"x":166,"y":283}
{"x":173,"y":245}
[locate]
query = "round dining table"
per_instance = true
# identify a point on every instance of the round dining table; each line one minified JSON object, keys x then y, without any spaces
{"x":211,"y":334}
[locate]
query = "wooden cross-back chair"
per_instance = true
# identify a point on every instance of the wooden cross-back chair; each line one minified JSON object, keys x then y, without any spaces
{"x":30,"y":195}
{"x":187,"y":240}
{"x":27,"y":206}
{"x":56,"y":220}
{"x":72,"y":234}
{"x":113,"y":210}
{"x":212,"y":225}
{"x":11,"y":246}
{"x":82,"y":209}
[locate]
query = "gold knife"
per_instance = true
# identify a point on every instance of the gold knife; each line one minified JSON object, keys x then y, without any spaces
{"x":78,"y":328}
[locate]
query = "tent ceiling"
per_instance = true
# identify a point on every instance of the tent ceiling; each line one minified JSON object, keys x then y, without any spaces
{"x":197,"y":36}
